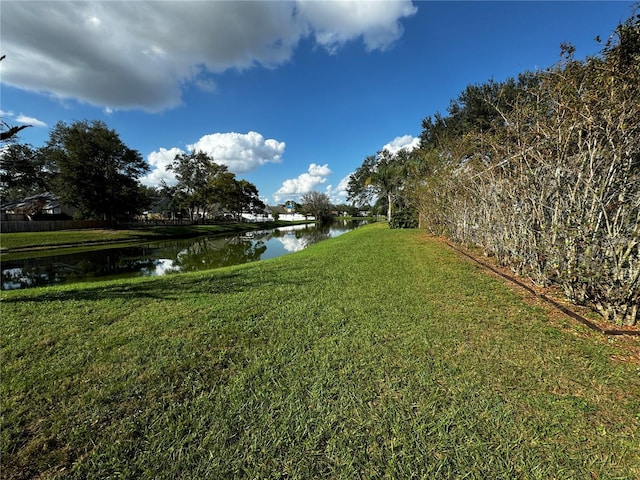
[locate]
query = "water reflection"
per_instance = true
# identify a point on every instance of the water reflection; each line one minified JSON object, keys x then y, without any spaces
{"x":167,"y":257}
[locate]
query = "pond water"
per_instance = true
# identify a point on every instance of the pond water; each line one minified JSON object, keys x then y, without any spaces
{"x":165,"y":257}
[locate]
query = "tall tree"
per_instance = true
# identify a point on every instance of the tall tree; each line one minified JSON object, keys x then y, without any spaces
{"x":205,"y":186}
{"x":223,"y":191}
{"x":359,"y":189}
{"x":247,"y":198}
{"x":194,"y":190}
{"x":317,"y":204}
{"x":23,"y":172}
{"x":95,"y":171}
{"x":379,"y":177}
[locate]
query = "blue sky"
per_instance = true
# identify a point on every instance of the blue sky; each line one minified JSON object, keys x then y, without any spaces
{"x":293,"y":95}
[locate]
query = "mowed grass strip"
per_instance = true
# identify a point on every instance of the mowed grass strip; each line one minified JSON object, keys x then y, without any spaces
{"x":25,"y":240}
{"x":377,"y":354}
{"x":64,"y":238}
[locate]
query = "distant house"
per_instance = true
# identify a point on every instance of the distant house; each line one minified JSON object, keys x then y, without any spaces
{"x":263,"y":215}
{"x":276,"y":210}
{"x":159,"y":209}
{"x":287,"y":214}
{"x":290,"y":206}
{"x":44,"y":206}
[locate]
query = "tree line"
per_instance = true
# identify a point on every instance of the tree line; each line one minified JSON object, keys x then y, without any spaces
{"x":88,"y":167}
{"x":541,"y":172}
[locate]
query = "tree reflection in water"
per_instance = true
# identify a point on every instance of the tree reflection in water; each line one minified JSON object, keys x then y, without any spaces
{"x":163,"y":258}
{"x":206,"y":253}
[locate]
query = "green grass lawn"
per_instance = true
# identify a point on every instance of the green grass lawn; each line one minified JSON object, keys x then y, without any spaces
{"x":377,"y":354}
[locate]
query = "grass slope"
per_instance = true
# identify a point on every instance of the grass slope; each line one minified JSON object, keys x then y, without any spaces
{"x":377,"y":354}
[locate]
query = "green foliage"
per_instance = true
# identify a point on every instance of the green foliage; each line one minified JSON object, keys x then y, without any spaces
{"x":94,"y":171}
{"x":360,"y":188}
{"x":246,"y":198}
{"x":406,"y":218}
{"x":385,"y":180}
{"x":205,"y":187}
{"x":195,"y":173}
{"x":23,"y":172}
{"x":350,"y":210}
{"x":87,"y":166}
{"x":409,"y":363}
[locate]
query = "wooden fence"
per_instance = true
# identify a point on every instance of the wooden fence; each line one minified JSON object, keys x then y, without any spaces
{"x":11,"y":226}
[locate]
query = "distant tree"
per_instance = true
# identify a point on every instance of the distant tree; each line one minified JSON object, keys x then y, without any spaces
{"x":317,"y":204}
{"x":360,"y":190}
{"x":205,"y":186}
{"x":236,"y":196}
{"x":95,"y":171}
{"x":23,"y":172}
{"x":247,"y":198}
{"x":223,"y":191}
{"x":148,"y":195}
{"x":380,"y":178}
{"x":349,"y":210}
{"x":193,"y":191}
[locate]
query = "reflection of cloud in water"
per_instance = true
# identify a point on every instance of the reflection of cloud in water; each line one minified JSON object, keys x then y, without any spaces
{"x":293,"y":244}
{"x":160,"y":258}
{"x":163,"y":266}
{"x":291,"y":228}
{"x":14,"y":278}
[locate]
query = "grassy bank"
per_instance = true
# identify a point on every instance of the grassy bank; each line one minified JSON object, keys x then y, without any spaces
{"x":62,"y":238}
{"x":377,"y":354}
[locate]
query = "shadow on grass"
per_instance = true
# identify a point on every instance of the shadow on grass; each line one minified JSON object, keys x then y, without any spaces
{"x":173,"y":287}
{"x":167,"y":288}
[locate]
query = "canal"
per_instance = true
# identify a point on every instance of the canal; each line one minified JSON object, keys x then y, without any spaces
{"x":164,"y":257}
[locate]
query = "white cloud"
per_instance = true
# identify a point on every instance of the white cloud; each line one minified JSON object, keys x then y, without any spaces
{"x":339,"y":194}
{"x":304,"y":183}
{"x":240,"y":152}
{"x":319,"y":170}
{"x":406,"y":142}
{"x":30,"y":121}
{"x":125,"y":55}
{"x":335,"y":23}
{"x":159,"y":161}
{"x":291,"y":243}
{"x":23,"y":119}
